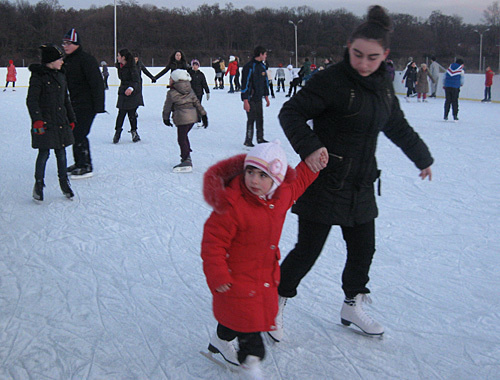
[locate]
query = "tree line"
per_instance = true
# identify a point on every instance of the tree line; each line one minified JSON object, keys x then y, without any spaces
{"x":210,"y":31}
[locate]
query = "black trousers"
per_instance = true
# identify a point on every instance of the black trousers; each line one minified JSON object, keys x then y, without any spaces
{"x":183,"y":140}
{"x":293,"y":86}
{"x":487,"y":93}
{"x":451,"y":99}
{"x":248,"y":343}
{"x":132,"y":117}
{"x":255,"y":116}
{"x":41,"y":162}
{"x":81,"y":147}
{"x":281,"y":82}
{"x":360,"y":243}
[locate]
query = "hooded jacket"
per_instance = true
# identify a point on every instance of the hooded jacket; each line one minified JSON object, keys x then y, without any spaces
{"x":182,"y":102}
{"x":348,"y":112}
{"x":48,"y":101}
{"x":240,"y":243}
{"x":454,"y":76}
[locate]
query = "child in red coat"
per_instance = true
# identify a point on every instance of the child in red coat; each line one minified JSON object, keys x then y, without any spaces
{"x":11,"y":76}
{"x":250,"y":196}
{"x":487,"y":84}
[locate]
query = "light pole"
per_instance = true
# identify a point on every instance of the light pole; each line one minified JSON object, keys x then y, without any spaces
{"x":296,"y":52}
{"x":114,"y":58}
{"x":481,"y":46}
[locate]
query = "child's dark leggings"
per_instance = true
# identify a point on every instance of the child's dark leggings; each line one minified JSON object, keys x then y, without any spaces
{"x":41,"y":161}
{"x":132,"y":117}
{"x":183,"y":140}
{"x":249,"y":343}
{"x":7,"y":83}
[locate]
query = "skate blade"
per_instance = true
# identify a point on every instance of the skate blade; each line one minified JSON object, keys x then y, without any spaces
{"x":224,"y":364}
{"x":86,"y":175}
{"x":186,"y":169}
{"x":358,"y":331}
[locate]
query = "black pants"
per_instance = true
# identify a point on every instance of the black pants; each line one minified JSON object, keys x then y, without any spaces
{"x":451,"y":99}
{"x":132,"y":117}
{"x":271,"y":88}
{"x":41,"y":161}
{"x":487,"y":93}
{"x":248,"y":343}
{"x":360,"y":243}
{"x":281,"y":82}
{"x":255,"y":116}
{"x":183,"y":140}
{"x":81,"y":147}
{"x":293,"y":86}
{"x":7,"y":83}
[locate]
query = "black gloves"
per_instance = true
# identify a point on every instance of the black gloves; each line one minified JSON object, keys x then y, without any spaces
{"x":167,"y":122}
{"x":204,"y":119}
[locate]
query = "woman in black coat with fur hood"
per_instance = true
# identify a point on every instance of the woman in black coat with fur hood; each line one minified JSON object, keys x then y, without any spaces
{"x":52,"y":117}
{"x":129,"y":94}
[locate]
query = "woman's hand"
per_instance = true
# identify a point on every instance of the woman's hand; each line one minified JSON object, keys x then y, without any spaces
{"x":317,"y":160}
{"x":223,"y":288}
{"x":427,"y":172}
{"x":128,"y":91}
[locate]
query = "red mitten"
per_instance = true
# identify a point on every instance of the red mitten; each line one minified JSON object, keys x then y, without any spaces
{"x":72,"y":125}
{"x":39,"y":127}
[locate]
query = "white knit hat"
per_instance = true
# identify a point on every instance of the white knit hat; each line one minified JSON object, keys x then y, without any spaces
{"x":180,"y":74}
{"x":231,"y":58}
{"x":271,"y":159}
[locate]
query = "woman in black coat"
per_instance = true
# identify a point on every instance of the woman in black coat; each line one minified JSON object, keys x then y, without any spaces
{"x":129,"y":94}
{"x":177,"y":61}
{"x":349,"y":103}
{"x":51,"y":115}
{"x":411,"y":78}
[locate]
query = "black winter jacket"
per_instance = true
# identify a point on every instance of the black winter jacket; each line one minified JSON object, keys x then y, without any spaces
{"x":48,"y":100}
{"x":254,"y":83}
{"x":198,"y":82}
{"x":173,"y":65}
{"x":85,"y":84}
{"x":129,"y":77}
{"x":348,"y":112}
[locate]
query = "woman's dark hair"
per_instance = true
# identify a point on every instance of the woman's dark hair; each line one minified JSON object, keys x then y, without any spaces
{"x":377,"y":26}
{"x":127,"y":55}
{"x":172,"y":57}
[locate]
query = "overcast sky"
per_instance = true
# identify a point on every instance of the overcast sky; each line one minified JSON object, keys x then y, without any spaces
{"x":470,"y":10}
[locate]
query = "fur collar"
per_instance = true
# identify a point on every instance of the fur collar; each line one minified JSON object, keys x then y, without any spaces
{"x":216,"y":181}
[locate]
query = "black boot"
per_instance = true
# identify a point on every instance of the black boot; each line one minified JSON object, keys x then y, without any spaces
{"x":38,"y":190}
{"x":117,"y":135}
{"x":66,"y":188}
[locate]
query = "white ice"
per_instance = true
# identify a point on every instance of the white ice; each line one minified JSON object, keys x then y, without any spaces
{"x":110,"y":286}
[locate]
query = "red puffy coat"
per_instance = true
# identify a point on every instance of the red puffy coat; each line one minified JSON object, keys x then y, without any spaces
{"x":232,"y":68}
{"x":489,"y":78}
{"x":11,"y":73}
{"x":240,"y":243}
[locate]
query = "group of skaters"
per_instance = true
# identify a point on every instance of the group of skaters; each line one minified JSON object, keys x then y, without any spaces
{"x":349,"y":103}
{"x":417,"y":83}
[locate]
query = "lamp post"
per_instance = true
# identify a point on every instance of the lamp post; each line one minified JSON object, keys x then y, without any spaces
{"x":481,"y":46}
{"x":114,"y":58}
{"x":296,"y":52}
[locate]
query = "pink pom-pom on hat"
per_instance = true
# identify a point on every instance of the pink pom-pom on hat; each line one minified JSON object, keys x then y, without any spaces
{"x":270,"y":158}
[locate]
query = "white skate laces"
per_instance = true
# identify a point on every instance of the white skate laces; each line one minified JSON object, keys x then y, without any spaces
{"x":277,"y":334}
{"x":353,"y":312}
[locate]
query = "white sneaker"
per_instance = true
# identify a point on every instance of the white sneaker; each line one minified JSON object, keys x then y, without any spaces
{"x":277,"y":334}
{"x":250,"y":369}
{"x":225,"y":348}
{"x":352,"y":312}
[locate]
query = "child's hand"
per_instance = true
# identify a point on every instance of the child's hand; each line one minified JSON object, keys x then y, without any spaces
{"x":223,"y":288}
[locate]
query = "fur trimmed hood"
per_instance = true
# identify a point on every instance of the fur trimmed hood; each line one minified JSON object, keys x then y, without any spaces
{"x":217,"y":179}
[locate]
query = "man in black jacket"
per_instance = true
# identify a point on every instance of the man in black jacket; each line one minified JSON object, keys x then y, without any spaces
{"x":254,"y":87}
{"x":86,"y":90}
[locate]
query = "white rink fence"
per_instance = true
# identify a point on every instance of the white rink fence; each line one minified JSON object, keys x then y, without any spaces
{"x":473,"y":88}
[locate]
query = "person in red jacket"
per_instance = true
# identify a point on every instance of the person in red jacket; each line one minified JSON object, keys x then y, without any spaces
{"x":250,"y":196}
{"x":232,"y":68}
{"x":487,"y":84}
{"x":11,"y":76}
